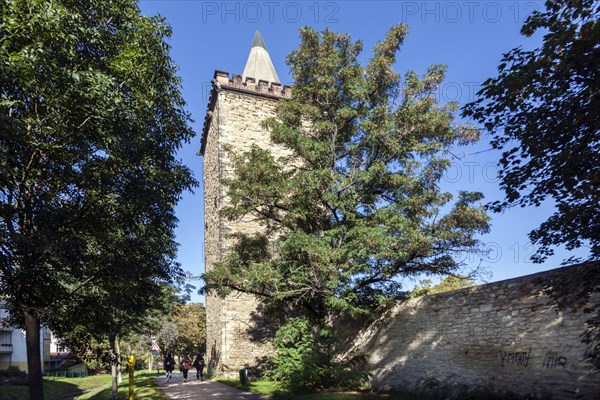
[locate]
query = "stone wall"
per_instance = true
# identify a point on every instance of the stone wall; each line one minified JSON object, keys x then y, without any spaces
{"x":235,"y":332}
{"x":212,"y":246}
{"x":507,"y":336}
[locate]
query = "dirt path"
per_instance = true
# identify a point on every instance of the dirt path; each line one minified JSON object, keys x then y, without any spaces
{"x":196,"y":390}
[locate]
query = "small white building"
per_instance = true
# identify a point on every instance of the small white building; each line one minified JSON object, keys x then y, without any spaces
{"x":13,"y":349}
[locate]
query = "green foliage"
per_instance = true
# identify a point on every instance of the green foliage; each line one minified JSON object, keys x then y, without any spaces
{"x":12,"y":374}
{"x":356,"y":206}
{"x":13,"y":370}
{"x":304,"y":360}
{"x":260,"y":386}
{"x":578,"y":291}
{"x":361,"y":207}
{"x":543,"y":111}
{"x":276,"y":391}
{"x":182,"y":333}
{"x":89,"y":177}
{"x":298,"y":356}
{"x":449,"y":283}
{"x":190,"y":320}
{"x":95,"y":353}
{"x":91,"y":117}
{"x":166,"y":335}
{"x":591,"y":337}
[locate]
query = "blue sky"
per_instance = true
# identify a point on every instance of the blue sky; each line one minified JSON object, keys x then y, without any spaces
{"x":467,"y":36}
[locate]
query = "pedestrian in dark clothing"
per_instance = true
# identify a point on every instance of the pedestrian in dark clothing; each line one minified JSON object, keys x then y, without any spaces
{"x":199,"y":365}
{"x":169,"y":365}
{"x":185,"y":367}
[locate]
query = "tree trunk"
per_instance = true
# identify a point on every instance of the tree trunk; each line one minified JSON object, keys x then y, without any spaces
{"x":34,"y":362}
{"x":119,"y":358}
{"x":113,"y":367}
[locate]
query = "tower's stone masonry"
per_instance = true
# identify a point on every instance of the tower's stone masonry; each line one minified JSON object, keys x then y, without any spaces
{"x":233,"y":123}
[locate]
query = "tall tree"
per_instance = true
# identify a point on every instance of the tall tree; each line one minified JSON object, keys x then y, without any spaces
{"x":543,"y":111}
{"x":166,"y":334}
{"x":190,"y":320}
{"x":120,"y":305}
{"x":356,"y":206}
{"x":90,"y":119}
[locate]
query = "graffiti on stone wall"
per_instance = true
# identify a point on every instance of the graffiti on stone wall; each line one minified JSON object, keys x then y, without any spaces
{"x":551,"y":361}
{"x":516,"y":358}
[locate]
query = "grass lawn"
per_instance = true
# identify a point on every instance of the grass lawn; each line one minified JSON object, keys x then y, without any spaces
{"x":96,"y":387}
{"x":55,"y":387}
{"x":145,"y":388}
{"x":270,"y":388}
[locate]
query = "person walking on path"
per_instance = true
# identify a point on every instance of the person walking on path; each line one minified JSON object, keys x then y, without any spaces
{"x":185,"y":367}
{"x":199,"y":365}
{"x":169,"y":365}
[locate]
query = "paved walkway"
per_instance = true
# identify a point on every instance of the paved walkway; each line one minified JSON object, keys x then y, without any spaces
{"x":196,"y":390}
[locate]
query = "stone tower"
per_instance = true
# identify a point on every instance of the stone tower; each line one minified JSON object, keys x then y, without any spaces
{"x":236,"y":108}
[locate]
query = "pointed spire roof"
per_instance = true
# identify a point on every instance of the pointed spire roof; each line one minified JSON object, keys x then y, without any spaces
{"x":259,"y":65}
{"x":258,"y":40}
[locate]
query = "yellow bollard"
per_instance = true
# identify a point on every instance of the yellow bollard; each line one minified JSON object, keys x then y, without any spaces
{"x":131,"y":362}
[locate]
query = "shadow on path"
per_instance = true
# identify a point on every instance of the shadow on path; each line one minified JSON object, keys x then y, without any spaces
{"x":196,"y":390}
